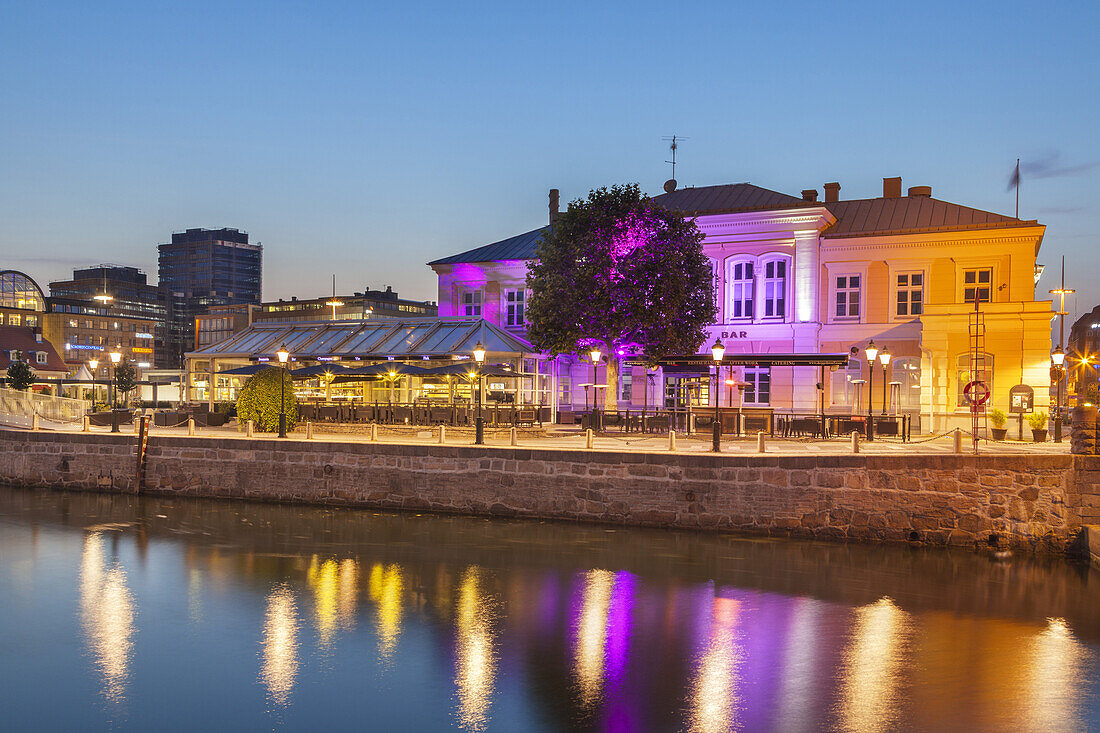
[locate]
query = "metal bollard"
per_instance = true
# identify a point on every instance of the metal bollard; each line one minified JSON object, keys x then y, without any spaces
{"x":442,"y":434}
{"x":760,"y":442}
{"x":958,"y":441}
{"x":588,"y":438}
{"x":34,"y":422}
{"x":87,"y":428}
{"x":672,"y":440}
{"x":249,"y":427}
{"x":309,"y":430}
{"x":515,"y":436}
{"x":855,"y":441}
{"x":190,"y":426}
{"x":374,"y":431}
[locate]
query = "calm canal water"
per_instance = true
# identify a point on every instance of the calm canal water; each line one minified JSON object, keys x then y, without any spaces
{"x":157,"y":614}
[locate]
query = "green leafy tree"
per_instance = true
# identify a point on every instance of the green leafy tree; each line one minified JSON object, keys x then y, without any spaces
{"x":259,"y":399}
{"x":621,"y":273}
{"x":20,"y":375}
{"x":126,"y":378}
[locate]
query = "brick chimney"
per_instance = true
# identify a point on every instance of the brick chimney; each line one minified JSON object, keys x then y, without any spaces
{"x":809,"y":194}
{"x":553,"y":204}
{"x":891,"y":188}
{"x":832,"y":192}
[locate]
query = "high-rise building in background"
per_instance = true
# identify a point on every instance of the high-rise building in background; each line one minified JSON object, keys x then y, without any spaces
{"x":202,"y":268}
{"x":117,"y":290}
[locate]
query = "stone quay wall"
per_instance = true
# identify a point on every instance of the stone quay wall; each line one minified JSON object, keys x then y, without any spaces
{"x":1034,"y":501}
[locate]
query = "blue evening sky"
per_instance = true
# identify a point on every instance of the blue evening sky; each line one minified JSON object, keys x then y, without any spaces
{"x":366,"y":139}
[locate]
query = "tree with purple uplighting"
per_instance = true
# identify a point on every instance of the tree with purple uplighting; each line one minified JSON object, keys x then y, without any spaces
{"x":618,"y":272}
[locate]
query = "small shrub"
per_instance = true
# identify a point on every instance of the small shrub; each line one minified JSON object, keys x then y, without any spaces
{"x":20,"y":375}
{"x":259,"y":400}
{"x":998,"y":418}
{"x":1037,"y":420}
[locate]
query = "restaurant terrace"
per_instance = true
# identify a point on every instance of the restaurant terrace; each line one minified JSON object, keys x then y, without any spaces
{"x":405,"y":371}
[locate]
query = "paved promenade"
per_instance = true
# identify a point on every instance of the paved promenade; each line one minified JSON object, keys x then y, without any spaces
{"x":564,"y":438}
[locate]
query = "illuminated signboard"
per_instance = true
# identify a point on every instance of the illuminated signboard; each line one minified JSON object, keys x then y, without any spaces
{"x":143,"y":335}
{"x":83,"y":347}
{"x":141,"y":350}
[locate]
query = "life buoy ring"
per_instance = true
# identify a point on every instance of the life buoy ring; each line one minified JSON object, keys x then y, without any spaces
{"x":976,"y":392}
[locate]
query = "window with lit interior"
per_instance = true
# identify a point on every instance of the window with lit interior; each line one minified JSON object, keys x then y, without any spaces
{"x":741,"y":290}
{"x":775,"y":289}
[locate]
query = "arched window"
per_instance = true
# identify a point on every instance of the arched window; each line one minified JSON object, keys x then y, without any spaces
{"x":905,"y":373}
{"x":846,"y":383}
{"x":19,"y":291}
{"x":739,"y":276}
{"x":966,"y":375}
{"x":775,"y":288}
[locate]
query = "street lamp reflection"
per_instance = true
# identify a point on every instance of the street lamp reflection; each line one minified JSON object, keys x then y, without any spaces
{"x":475,"y":659}
{"x":872,"y":668}
{"x":590,"y":656}
{"x":279,"y":668}
{"x":714,"y":698}
{"x":107,"y":615}
{"x":385,"y":586}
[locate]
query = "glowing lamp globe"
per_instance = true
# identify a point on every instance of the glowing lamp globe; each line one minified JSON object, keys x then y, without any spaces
{"x":718,"y":350}
{"x":871,"y":350}
{"x":479,"y":353}
{"x":283,"y":354}
{"x":884,"y":356}
{"x":116,"y":354}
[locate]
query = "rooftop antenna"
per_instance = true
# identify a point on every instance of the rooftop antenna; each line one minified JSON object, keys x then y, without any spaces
{"x":673,"y":144}
{"x":103,"y":297}
{"x":335,"y":301}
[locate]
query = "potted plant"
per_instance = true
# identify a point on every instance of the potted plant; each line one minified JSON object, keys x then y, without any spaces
{"x":1038,"y":423}
{"x":998,"y":418}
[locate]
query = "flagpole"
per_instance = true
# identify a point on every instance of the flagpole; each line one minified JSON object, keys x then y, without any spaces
{"x":1017,"y":188}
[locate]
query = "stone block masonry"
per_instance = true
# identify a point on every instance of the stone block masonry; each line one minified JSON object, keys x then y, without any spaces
{"x":1038,"y":501}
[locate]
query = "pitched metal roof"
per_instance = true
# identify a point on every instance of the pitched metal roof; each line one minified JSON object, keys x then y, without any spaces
{"x":23,"y":339}
{"x":908,"y":215}
{"x":728,"y":198}
{"x":519,"y":247}
{"x":371,"y":339}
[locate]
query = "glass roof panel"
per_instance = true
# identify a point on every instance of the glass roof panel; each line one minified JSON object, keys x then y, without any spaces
{"x":443,"y":339}
{"x":360,"y":343}
{"x":329,"y":338}
{"x":399,"y":342}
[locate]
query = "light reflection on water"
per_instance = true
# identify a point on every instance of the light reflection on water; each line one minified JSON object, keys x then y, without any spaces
{"x":279,"y":665}
{"x":463,"y":628}
{"x":107,"y":615}
{"x":475,"y":658}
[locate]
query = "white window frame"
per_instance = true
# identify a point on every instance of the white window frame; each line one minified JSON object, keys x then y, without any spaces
{"x":848,"y":291}
{"x":626,"y":380}
{"x":964,"y":270}
{"x":475,"y":307}
{"x":754,"y":377}
{"x":509,"y":306}
{"x":770,"y":287}
{"x":737,"y":299}
{"x":40,"y":357}
{"x":565,"y":389}
{"x":908,"y":288}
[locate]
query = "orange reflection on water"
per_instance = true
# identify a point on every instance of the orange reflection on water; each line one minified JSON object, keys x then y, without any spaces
{"x":107,"y":615}
{"x":590,"y":654}
{"x":475,"y":663}
{"x":322,"y":581}
{"x":279,"y":668}
{"x":714,"y":689}
{"x":872,"y":666}
{"x":385,"y":586}
{"x":1057,"y":684}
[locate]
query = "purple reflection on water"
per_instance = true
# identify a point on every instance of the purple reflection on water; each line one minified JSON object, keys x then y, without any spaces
{"x":621,"y":711}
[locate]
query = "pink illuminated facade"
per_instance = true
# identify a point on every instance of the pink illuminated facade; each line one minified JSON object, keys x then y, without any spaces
{"x":794,"y":275}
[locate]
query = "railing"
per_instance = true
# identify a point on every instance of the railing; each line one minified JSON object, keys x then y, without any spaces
{"x":18,"y":408}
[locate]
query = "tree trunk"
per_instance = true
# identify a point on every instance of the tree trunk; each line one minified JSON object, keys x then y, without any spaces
{"x":611,"y":394}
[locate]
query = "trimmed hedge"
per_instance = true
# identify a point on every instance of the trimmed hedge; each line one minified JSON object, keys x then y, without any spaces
{"x":259,"y":400}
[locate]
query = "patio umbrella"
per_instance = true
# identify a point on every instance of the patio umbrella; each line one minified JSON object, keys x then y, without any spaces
{"x":246,"y":371}
{"x":317,"y":370}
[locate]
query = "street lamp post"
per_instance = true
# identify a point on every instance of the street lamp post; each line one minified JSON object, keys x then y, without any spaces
{"x":1057,"y":372}
{"x":116,"y":357}
{"x":93,"y":364}
{"x":479,"y":422}
{"x":284,"y":356}
{"x":884,"y":357}
{"x":717,"y":351}
{"x":596,"y":422}
{"x":872,"y":352}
